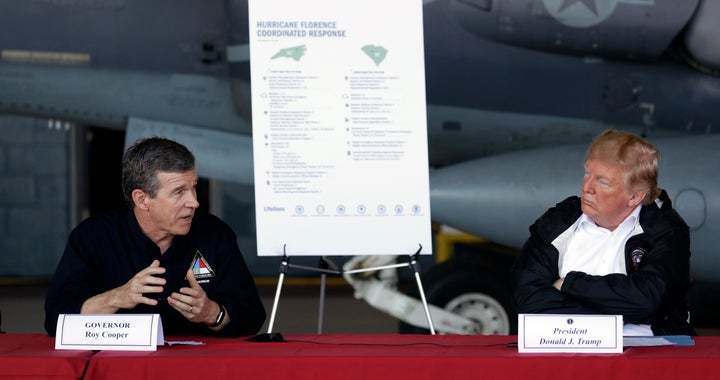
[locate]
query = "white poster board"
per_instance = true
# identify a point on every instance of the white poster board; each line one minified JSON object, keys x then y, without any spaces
{"x":339,"y":127}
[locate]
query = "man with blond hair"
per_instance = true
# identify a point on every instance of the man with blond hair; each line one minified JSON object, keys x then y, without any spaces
{"x":617,"y":249}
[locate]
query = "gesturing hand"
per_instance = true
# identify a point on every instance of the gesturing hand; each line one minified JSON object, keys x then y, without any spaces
{"x":130,"y":294}
{"x":193,"y":302}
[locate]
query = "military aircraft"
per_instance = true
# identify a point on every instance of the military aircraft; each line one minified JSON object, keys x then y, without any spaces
{"x":515,"y":91}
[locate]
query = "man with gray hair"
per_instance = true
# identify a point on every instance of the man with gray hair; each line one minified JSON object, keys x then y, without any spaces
{"x":159,"y":256}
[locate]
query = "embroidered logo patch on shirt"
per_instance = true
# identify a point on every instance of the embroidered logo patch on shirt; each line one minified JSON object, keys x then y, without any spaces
{"x":200,"y":267}
{"x":636,"y":257}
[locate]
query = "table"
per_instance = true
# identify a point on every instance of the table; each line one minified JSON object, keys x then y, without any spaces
{"x":395,"y":356}
{"x":33,"y":356}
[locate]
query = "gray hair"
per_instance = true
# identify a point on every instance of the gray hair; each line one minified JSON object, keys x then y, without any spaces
{"x":145,"y":158}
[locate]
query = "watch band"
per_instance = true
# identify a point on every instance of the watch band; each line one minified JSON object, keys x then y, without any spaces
{"x":219,"y":318}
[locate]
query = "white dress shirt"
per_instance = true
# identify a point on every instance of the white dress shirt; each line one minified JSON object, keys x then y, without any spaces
{"x":589,"y":248}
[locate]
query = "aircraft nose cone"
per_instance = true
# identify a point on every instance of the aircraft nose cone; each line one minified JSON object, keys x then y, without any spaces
{"x":498,"y":197}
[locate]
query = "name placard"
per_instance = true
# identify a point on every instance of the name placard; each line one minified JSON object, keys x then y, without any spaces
{"x":128,"y":332}
{"x":570,"y":333}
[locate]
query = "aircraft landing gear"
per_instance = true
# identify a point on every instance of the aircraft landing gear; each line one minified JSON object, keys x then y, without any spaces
{"x":475,"y":289}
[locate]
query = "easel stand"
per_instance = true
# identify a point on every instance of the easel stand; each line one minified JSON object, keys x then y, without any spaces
{"x":324,"y":269}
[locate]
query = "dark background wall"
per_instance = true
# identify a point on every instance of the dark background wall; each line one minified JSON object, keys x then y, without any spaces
{"x":34,"y":196}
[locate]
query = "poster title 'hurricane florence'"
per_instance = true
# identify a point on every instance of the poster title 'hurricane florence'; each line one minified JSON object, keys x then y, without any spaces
{"x":299,"y":29}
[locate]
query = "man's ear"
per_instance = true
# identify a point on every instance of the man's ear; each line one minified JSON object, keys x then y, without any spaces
{"x":636,"y":198}
{"x":140,"y":199}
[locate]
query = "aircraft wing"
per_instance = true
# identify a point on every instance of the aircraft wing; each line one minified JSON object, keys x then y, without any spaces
{"x":500,"y":75}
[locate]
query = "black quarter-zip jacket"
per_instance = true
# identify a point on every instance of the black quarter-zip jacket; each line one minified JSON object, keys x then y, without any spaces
{"x":653,"y":292}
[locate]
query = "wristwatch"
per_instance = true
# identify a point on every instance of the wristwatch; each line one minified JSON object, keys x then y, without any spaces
{"x":219,"y":318}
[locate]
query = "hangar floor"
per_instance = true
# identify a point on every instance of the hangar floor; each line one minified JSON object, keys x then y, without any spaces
{"x":298,"y":310}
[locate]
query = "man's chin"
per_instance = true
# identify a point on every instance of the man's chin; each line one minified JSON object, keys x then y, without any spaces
{"x":182,"y":228}
{"x":587,"y":209}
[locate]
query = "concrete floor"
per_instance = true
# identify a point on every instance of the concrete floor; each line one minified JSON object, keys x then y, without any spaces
{"x":297,"y":310}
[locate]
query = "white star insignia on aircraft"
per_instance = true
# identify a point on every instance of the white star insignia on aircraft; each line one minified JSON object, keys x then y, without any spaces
{"x":590,"y":4}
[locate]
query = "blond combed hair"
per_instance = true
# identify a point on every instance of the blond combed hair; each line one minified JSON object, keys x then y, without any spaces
{"x":637,"y":157}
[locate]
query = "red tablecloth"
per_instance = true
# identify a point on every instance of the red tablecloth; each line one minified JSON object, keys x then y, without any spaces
{"x":397,"y":356}
{"x":33,"y":356}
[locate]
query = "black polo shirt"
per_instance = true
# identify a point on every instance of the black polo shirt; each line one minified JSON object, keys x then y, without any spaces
{"x":104,"y":252}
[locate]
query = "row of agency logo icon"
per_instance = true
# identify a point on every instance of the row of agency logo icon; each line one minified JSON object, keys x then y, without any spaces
{"x":361,"y":209}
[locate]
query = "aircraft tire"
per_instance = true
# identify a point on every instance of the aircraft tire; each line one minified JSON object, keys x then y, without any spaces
{"x":470,"y":288}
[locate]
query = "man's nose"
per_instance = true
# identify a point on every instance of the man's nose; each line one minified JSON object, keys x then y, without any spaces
{"x":193,"y":202}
